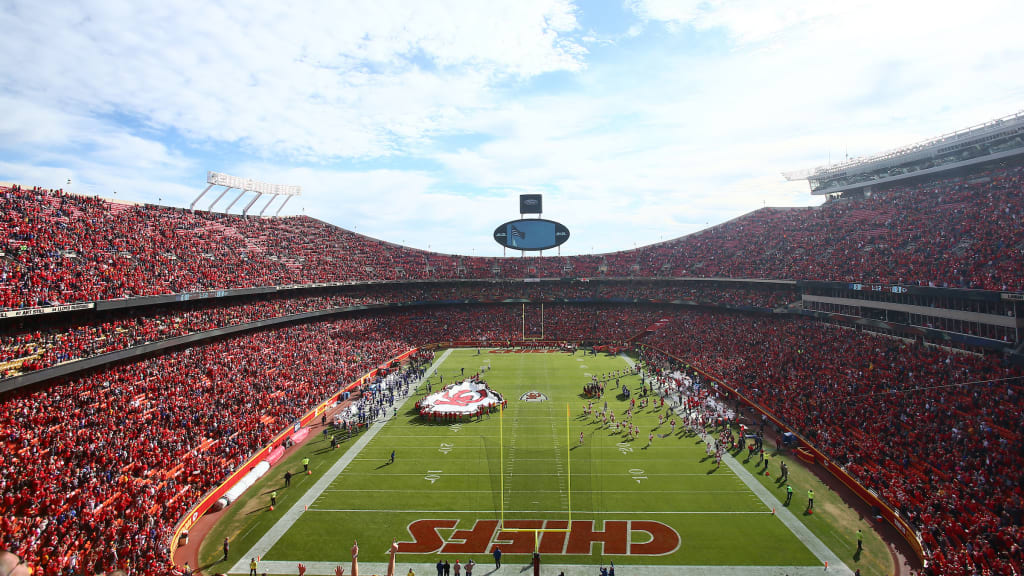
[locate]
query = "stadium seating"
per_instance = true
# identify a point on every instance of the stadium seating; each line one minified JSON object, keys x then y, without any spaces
{"x":61,"y":248}
{"x":34,"y":348}
{"x":97,"y":472}
{"x":935,"y":433}
{"x":895,"y":415}
{"x":119,"y":456}
{"x":847,"y":391}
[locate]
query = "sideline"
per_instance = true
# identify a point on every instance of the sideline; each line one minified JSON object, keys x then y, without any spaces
{"x":822,"y":552}
{"x":270,"y":537}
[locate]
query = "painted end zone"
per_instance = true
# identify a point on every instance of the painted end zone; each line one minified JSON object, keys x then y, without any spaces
{"x":615,"y":538}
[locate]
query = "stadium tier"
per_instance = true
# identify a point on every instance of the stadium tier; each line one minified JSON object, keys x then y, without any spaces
{"x":28,"y":348}
{"x":100,"y":466}
{"x":60,"y":248}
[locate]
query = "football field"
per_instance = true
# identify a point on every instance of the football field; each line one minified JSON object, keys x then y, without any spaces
{"x":455,"y":491}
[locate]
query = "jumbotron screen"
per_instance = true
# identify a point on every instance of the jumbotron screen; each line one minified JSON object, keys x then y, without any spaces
{"x":531,"y":234}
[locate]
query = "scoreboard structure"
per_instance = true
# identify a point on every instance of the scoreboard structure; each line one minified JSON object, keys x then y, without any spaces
{"x":531,"y":234}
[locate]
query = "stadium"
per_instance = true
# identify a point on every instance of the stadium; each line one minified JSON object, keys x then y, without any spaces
{"x":213,"y":387}
{"x":176,"y":350}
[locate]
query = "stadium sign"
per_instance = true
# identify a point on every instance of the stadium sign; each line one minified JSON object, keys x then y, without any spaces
{"x":46,"y":310}
{"x":615,"y":537}
{"x":531,"y":234}
{"x":877,"y":288}
{"x":530,"y":203}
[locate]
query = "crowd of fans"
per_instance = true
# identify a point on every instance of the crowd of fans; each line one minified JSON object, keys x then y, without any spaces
{"x":33,"y":348}
{"x":96,"y":472}
{"x":44,"y":347}
{"x":936,"y":433}
{"x":60,"y":248}
{"x":506,"y":323}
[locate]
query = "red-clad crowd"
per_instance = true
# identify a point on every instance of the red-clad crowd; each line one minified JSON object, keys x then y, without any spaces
{"x":36,"y":348}
{"x":44,"y":347}
{"x":96,"y":472}
{"x":513,"y":322}
{"x":60,"y":248}
{"x":936,"y":433}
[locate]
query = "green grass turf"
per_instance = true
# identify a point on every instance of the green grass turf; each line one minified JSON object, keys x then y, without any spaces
{"x":719,"y":520}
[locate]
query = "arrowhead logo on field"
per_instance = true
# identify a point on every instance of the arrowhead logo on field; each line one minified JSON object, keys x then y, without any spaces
{"x":461,"y":398}
{"x":533,"y":396}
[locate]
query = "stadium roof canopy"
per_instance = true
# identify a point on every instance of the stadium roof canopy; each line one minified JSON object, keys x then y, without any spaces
{"x":994,"y":140}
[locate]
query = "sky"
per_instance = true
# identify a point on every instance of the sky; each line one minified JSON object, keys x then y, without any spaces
{"x":421,"y":121}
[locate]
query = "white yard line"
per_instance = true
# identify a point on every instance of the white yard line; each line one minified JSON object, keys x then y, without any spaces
{"x":267,"y":541}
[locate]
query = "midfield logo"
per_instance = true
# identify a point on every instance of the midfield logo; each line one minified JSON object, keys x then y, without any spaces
{"x":533,"y":396}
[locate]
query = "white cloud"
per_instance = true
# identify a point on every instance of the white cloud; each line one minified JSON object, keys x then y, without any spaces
{"x":314,"y":80}
{"x":647,"y":137}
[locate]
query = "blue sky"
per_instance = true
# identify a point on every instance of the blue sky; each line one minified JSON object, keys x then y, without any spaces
{"x":421,"y":122}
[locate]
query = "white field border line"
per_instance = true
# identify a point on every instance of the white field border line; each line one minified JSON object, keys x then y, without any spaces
{"x":798,"y":528}
{"x":486,"y":567}
{"x":270,"y":537}
{"x":601,"y":513}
